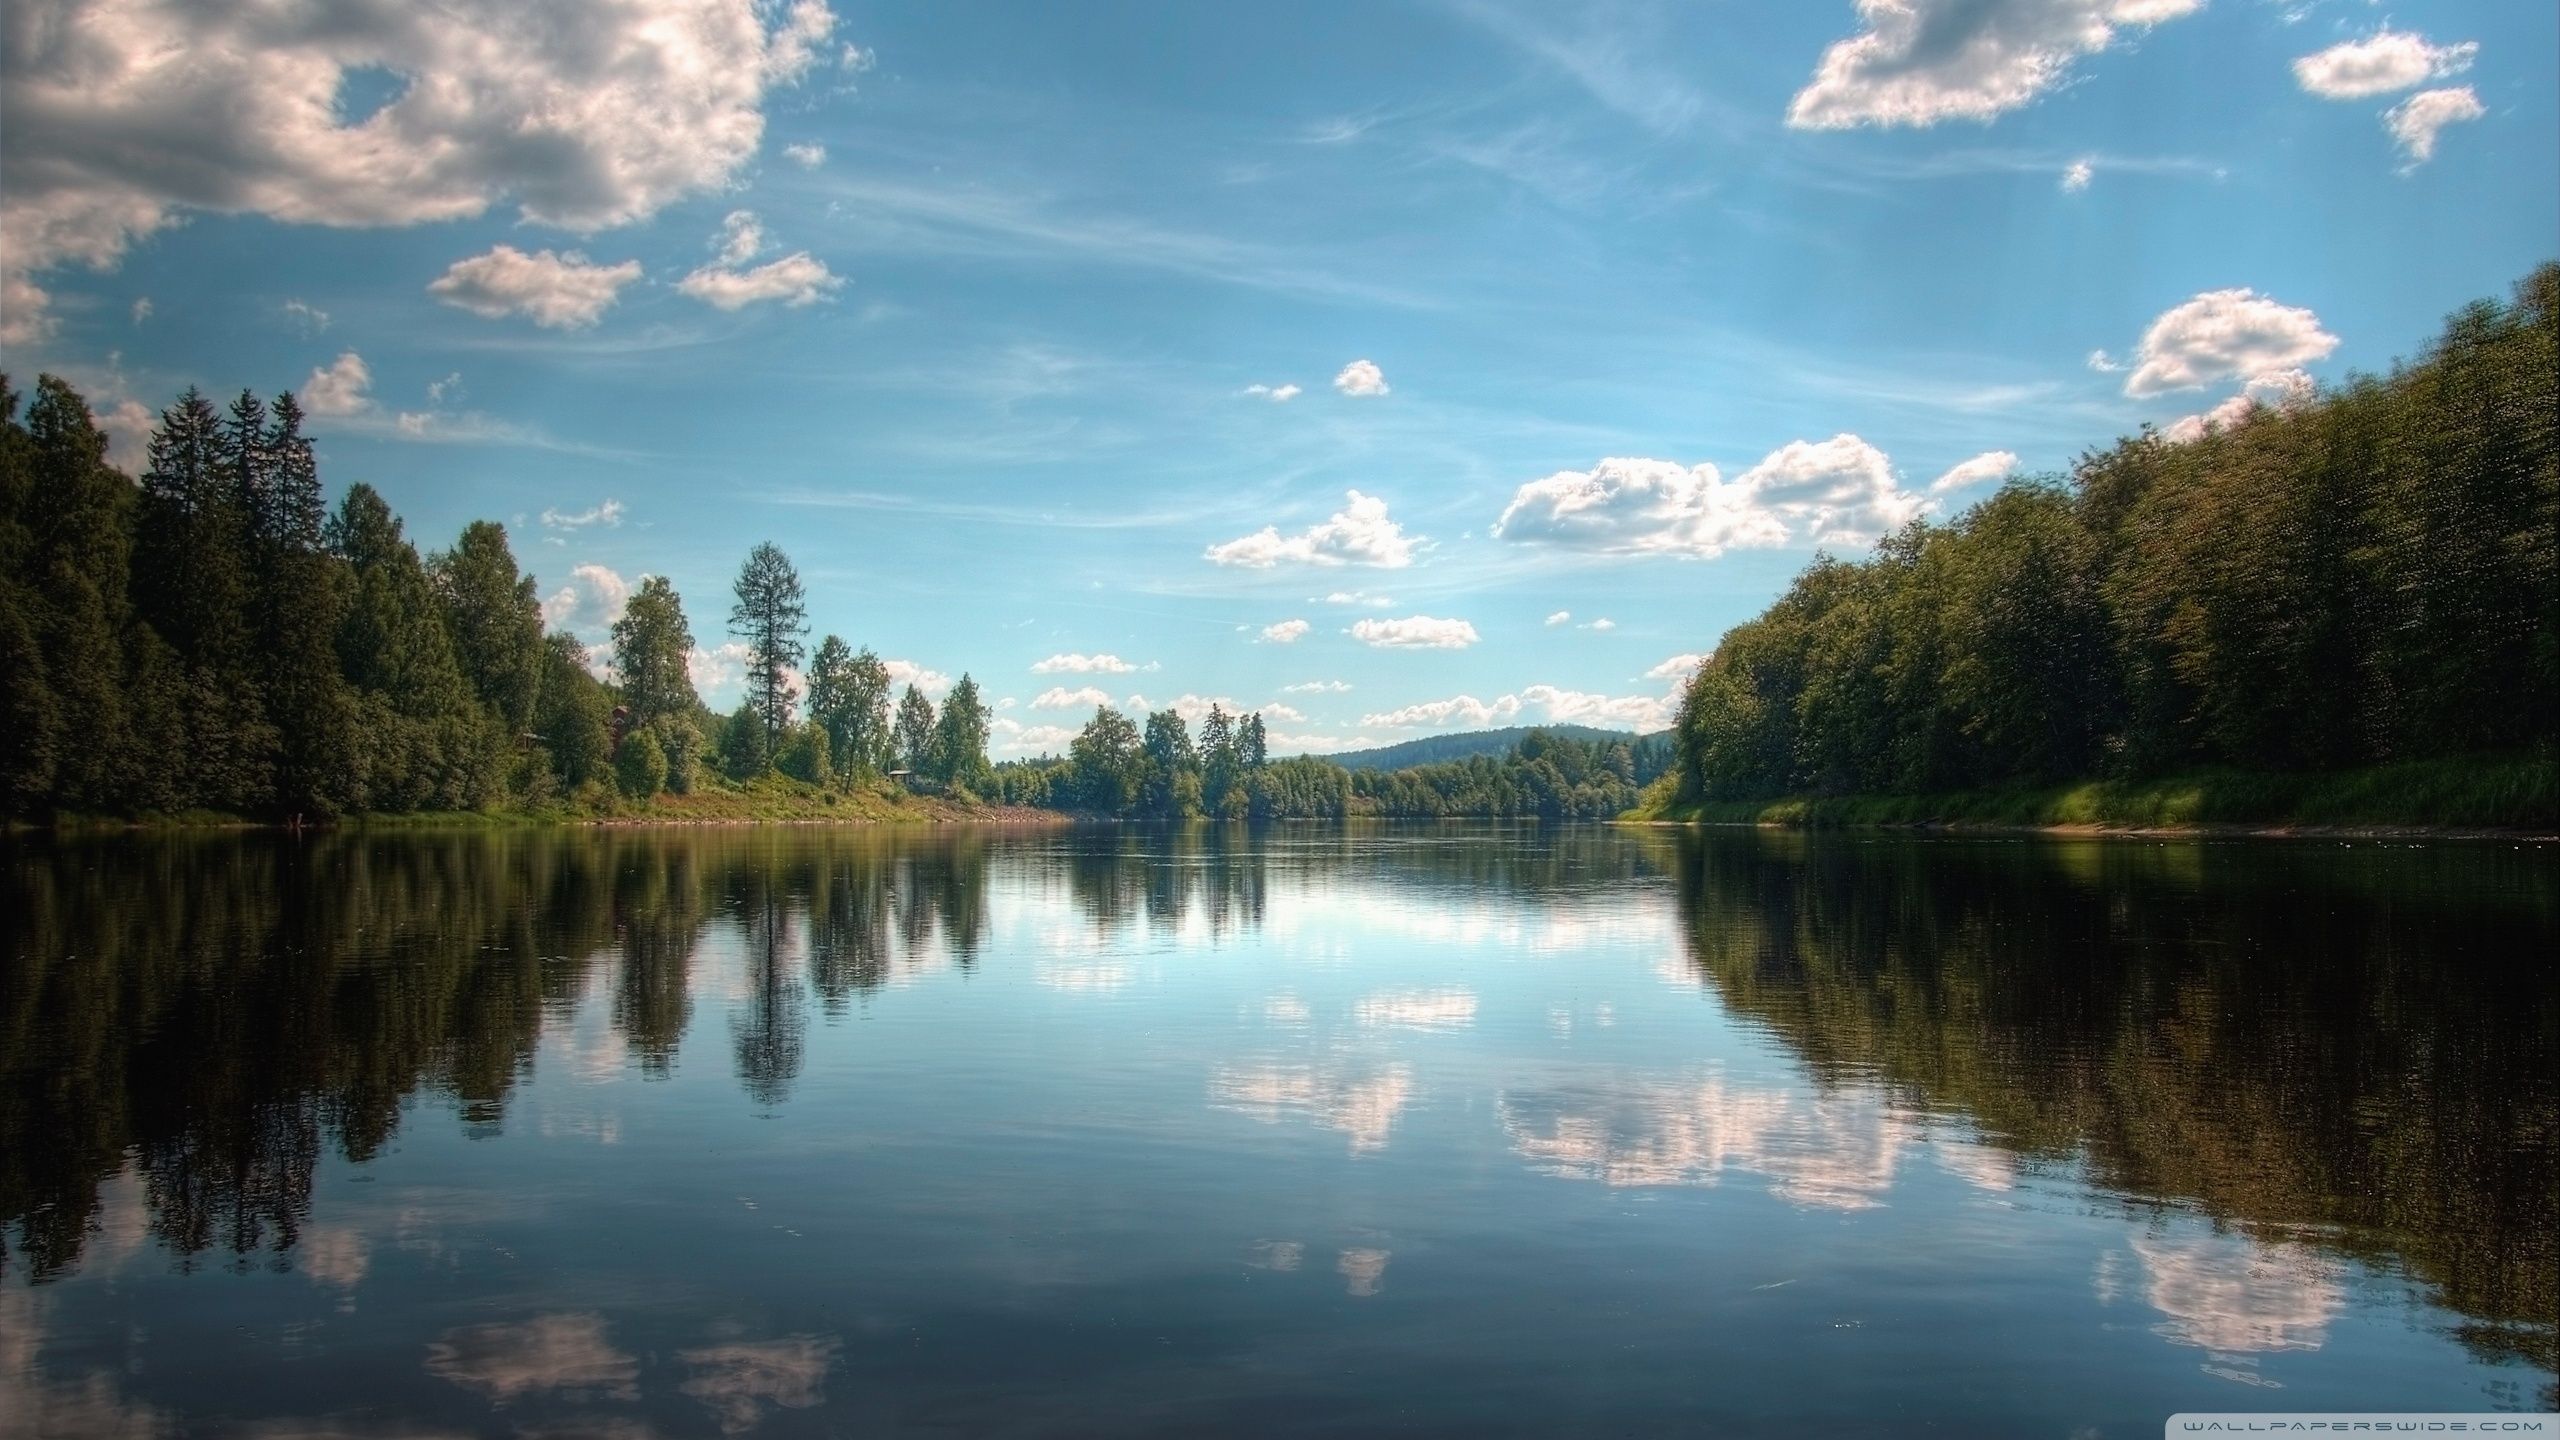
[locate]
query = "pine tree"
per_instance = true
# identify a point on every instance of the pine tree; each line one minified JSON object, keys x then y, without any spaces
{"x":913,"y":737}
{"x":960,"y":737}
{"x":772,"y":617}
{"x":78,"y":558}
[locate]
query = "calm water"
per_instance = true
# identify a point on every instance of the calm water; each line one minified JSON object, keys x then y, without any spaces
{"x":1439,"y":1130}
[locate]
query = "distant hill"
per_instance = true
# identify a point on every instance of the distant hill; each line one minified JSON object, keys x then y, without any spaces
{"x":1435,"y":749}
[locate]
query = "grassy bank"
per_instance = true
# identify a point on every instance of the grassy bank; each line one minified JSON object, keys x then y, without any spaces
{"x":2462,"y":793}
{"x":773,"y":800}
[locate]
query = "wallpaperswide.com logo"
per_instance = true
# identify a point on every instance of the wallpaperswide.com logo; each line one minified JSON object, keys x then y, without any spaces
{"x":2362,"y":1422}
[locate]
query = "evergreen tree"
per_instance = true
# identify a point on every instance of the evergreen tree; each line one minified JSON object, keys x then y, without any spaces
{"x":300,"y":596}
{"x":743,"y":755}
{"x":496,"y":622}
{"x":1252,"y":744}
{"x":420,"y":740}
{"x":913,"y":739}
{"x":771,"y":616}
{"x":959,"y":743}
{"x":76,"y":557}
{"x":192,"y":572}
{"x":653,"y":654}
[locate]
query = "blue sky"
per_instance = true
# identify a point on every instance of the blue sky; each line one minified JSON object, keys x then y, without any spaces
{"x":966,"y":307}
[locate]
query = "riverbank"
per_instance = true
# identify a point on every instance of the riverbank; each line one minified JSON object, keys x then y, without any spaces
{"x":2470,"y":795}
{"x":773,"y":800}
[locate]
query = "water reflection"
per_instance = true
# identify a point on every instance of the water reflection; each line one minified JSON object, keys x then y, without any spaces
{"x":2343,"y":1053}
{"x":2272,"y":1072}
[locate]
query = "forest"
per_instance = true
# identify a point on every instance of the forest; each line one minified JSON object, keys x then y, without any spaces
{"x":2369,"y":578}
{"x":212,"y":639}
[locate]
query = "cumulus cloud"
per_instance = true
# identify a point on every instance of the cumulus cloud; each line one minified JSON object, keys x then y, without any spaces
{"x":2385,"y":61}
{"x":342,"y":387}
{"x":1560,"y":617}
{"x":1361,"y":533}
{"x":607,"y":513}
{"x":2276,"y":390}
{"x":1415,"y":632}
{"x":796,"y":280}
{"x":119,"y":116}
{"x":1918,"y":62}
{"x":1677,"y":669}
{"x":2224,"y":335}
{"x":1629,"y":506}
{"x":1286,"y":632}
{"x":903,"y":673}
{"x":1836,"y":491}
{"x":556,"y":291}
{"x":1989,"y":465}
{"x":591,"y":601}
{"x":1603,"y":623}
{"x":1072,"y":664}
{"x":2077,"y":175}
{"x":1361,"y":378}
{"x":1059,"y":697}
{"x":1012,"y":737}
{"x":2416,"y":121}
{"x":1276,"y":394}
{"x":805,"y":155}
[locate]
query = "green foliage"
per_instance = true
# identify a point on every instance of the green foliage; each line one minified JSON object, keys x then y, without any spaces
{"x":640,"y":767}
{"x":772,"y":616}
{"x":804,"y":755}
{"x":2369,"y":579}
{"x":743,"y":755}
{"x":912,"y":739}
{"x":495,"y":621}
{"x":958,"y":750}
{"x":652,"y":653}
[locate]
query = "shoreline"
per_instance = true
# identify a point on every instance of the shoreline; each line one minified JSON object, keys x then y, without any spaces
{"x":2094,"y":830}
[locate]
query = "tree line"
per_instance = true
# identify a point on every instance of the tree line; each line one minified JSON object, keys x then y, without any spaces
{"x":1160,"y":772}
{"x":2370,"y":577}
{"x":213,"y":638}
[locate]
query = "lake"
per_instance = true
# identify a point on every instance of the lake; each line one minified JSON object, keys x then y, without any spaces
{"x":1439,"y":1129}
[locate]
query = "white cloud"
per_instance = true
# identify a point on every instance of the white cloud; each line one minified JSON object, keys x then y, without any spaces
{"x":2276,"y":389}
{"x":1360,"y":597}
{"x":1839,"y":490}
{"x":141,"y":309}
{"x":1919,"y":62}
{"x":1989,"y":465}
{"x":1012,"y":737}
{"x":718,"y":667}
{"x":796,"y":279}
{"x":806,"y":156}
{"x":1677,"y":669}
{"x":1276,"y":394}
{"x":340,"y":388}
{"x":1630,"y":506}
{"x":591,"y":601}
{"x":118,"y":116}
{"x":1315,"y":687}
{"x":1359,"y":534}
{"x":2224,"y":335}
{"x":741,"y":237}
{"x":1084,"y":665}
{"x":1560,"y":617}
{"x":2076,"y":176}
{"x":2416,"y":121}
{"x":311,"y":318}
{"x":2385,"y":61}
{"x":1059,"y":697}
{"x":903,"y":673}
{"x":2104,"y":363}
{"x":1286,"y":632}
{"x":607,"y":513}
{"x":1360,"y":378}
{"x":1603,"y":623}
{"x":556,"y":291}
{"x":128,"y":425}
{"x":438,"y":391}
{"x":1548,"y":704}
{"x":1415,"y":632}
